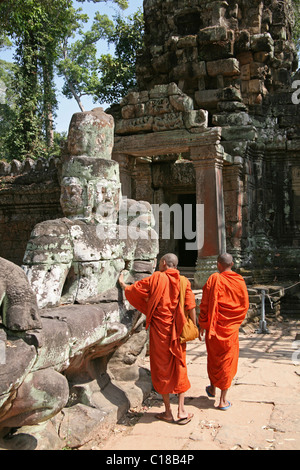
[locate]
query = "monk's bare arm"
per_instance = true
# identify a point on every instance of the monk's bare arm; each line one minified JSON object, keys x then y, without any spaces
{"x":192,"y":315}
{"x":121,"y":282}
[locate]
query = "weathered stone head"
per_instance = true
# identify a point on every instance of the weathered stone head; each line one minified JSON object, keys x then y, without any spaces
{"x":18,"y":305}
{"x":90,"y":185}
{"x":92,"y":134}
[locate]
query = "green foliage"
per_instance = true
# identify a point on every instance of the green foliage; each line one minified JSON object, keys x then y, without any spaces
{"x":36,"y":28}
{"x":109,"y":77}
{"x":296,"y":28}
{"x":121,"y":3}
{"x":40,"y":30}
{"x":118,"y":72}
{"x":7,"y":105}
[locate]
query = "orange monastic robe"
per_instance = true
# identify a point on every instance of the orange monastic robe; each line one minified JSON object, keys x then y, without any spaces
{"x":157,"y":296}
{"x":223,"y":308}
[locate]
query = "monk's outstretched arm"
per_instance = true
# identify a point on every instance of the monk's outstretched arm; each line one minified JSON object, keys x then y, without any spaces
{"x":121,"y":281}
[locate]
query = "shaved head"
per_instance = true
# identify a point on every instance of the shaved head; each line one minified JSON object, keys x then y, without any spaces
{"x":225,"y":260}
{"x":171,"y":260}
{"x":168,"y":261}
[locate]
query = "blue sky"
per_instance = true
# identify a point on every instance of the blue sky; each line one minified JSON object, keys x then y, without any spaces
{"x":67,"y":107}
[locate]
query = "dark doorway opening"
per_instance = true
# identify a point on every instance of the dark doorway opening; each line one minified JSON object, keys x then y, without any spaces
{"x":187,"y":257}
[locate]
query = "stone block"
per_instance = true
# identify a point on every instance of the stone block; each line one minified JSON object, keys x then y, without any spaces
{"x":161,"y":63}
{"x":196,"y":119}
{"x":158,"y":91}
{"x":181,"y":70}
{"x":225,"y":67}
{"x":81,"y":424}
{"x":216,"y":50}
{"x":181,"y":102}
{"x":128,"y":112}
{"x":199,"y":69}
{"x":168,"y":122}
{"x":131,"y":126}
{"x":158,"y":106}
{"x":248,"y":133}
{"x":208,"y":98}
{"x":187,"y":41}
{"x":214,"y":34}
{"x":231,"y":106}
{"x":245,"y":72}
{"x":231,"y":94}
{"x":245,"y":58}
{"x":262,"y":42}
{"x":89,"y":168}
{"x":232,"y":119}
{"x":242,"y":43}
{"x":262,"y":56}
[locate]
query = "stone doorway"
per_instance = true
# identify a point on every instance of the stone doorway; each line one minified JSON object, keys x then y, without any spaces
{"x":138,"y":156}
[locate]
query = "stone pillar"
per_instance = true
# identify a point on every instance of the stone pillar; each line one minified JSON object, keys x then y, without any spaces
{"x":142,"y":179}
{"x":126,"y":168}
{"x":207,"y":157}
{"x":234,"y":203}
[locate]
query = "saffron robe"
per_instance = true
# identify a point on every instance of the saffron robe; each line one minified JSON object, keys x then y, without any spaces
{"x":157,"y":296}
{"x":223,"y":308}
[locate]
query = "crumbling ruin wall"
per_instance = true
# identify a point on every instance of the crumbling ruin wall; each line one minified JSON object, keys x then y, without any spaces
{"x":236,"y":63}
{"x":207,"y":64}
{"x":29,"y":194}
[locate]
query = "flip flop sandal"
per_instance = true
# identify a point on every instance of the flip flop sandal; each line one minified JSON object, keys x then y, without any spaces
{"x":224,"y":408}
{"x":185,"y":420}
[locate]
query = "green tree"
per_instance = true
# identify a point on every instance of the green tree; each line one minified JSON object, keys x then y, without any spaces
{"x":37,"y":29}
{"x":117,"y":73}
{"x":7,"y":105}
{"x":78,"y":59}
{"x":107,"y":78}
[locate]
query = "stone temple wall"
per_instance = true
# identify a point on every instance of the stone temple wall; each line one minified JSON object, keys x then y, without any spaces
{"x":205,"y":46}
{"x":225,"y":65}
{"x":29,"y":194}
{"x":234,"y":63}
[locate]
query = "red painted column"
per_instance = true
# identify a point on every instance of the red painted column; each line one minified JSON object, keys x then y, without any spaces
{"x":207,"y":157}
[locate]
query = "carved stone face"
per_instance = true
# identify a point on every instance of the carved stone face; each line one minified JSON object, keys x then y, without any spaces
{"x":73,"y":196}
{"x":106,"y":200}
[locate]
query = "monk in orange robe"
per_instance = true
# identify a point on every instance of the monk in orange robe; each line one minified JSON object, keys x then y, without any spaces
{"x":157,"y":296}
{"x":223,"y":308}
